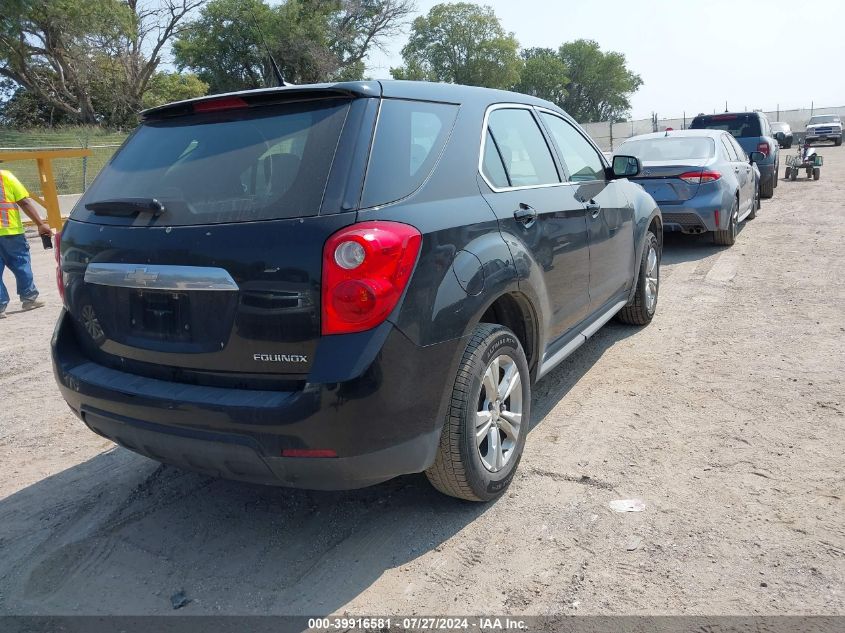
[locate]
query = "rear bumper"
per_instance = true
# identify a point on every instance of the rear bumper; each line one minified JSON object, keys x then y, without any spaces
{"x":381,"y":423}
{"x":696,"y":215}
{"x":234,"y":456}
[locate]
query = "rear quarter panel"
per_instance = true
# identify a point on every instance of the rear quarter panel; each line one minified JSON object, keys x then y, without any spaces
{"x":461,"y":238}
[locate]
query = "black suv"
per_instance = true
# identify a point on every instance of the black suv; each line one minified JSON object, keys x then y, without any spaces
{"x":328,"y":286}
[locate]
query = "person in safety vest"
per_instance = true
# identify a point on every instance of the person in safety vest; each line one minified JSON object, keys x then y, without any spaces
{"x":14,"y":249}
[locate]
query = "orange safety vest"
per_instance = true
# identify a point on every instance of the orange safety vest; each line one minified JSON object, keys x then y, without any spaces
{"x":10,"y":215}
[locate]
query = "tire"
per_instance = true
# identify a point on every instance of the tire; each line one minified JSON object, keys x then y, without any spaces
{"x":755,"y":204}
{"x":767,"y":188}
{"x":837,"y":142}
{"x":793,"y":175}
{"x":775,"y":178}
{"x":787,"y":172}
{"x":459,"y":468}
{"x":728,"y":236}
{"x":817,"y":173}
{"x":640,"y":310}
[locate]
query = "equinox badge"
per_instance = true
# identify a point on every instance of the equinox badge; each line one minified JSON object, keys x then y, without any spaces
{"x":280,"y":358}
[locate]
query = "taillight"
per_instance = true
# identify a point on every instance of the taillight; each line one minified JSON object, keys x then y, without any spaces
{"x":697,"y":177}
{"x":763,"y":147}
{"x":57,"y":251}
{"x":366,"y":267}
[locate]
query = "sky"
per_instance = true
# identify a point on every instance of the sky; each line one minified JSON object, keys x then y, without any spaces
{"x":692,"y":56}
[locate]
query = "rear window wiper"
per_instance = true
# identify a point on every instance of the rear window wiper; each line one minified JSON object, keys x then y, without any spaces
{"x":126,"y":206}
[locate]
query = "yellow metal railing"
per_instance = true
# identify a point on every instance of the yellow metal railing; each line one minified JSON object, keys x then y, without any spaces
{"x":49,"y":195}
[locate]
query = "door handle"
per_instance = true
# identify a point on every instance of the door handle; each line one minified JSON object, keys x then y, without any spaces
{"x":526,"y":214}
{"x":593,"y":207}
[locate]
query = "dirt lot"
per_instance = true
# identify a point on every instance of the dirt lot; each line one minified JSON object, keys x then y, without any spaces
{"x":725,"y":416}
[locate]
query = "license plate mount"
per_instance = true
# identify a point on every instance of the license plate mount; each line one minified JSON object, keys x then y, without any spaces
{"x":161,"y":315}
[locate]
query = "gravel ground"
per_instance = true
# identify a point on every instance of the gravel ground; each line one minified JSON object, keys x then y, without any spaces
{"x":725,"y":416}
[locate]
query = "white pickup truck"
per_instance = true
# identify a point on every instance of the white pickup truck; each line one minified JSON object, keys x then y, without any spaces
{"x":824,"y":127}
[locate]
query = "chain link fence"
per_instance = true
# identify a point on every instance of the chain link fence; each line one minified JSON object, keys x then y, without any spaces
{"x":610,"y":136}
{"x":72,"y":175}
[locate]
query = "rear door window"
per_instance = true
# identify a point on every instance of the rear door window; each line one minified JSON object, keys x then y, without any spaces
{"x":523,"y":149}
{"x":409,"y":138}
{"x":492,"y":166}
{"x":740,"y":153}
{"x":230,"y":166}
{"x":738,"y":125}
{"x":729,"y":149}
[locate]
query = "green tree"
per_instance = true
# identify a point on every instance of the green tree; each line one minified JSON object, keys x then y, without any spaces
{"x":20,"y":108}
{"x":222,"y":44}
{"x":461,"y":43}
{"x":167,"y":87}
{"x":600,"y":84}
{"x":543,"y":75}
{"x":89,"y":59}
{"x":311,"y":40}
{"x":47,"y":47}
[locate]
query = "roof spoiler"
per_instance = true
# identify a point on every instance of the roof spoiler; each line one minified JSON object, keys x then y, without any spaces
{"x":264,"y":97}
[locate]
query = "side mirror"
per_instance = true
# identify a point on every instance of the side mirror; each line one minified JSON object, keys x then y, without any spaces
{"x":756,"y":157}
{"x":626,"y":166}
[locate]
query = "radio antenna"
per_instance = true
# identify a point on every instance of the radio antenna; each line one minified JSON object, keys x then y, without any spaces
{"x":273,"y":65}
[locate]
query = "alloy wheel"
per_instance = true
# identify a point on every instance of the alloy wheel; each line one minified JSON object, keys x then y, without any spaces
{"x":498,"y":421}
{"x":652,"y":279}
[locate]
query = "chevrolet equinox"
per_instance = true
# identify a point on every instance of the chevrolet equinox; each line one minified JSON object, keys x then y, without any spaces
{"x":328,"y":286}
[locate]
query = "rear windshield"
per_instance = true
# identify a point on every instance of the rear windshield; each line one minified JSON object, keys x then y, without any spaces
{"x":669,"y":148}
{"x":739,"y":125}
{"x":232,"y":166}
{"x":779,"y":127}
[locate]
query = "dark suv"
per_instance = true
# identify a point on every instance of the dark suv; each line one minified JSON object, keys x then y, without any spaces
{"x":328,"y":286}
{"x":754,"y":133}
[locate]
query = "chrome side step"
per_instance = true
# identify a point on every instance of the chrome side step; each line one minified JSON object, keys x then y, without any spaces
{"x":556,"y":358}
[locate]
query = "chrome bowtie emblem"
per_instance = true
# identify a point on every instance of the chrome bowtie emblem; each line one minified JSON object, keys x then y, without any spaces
{"x":140,"y":276}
